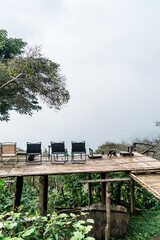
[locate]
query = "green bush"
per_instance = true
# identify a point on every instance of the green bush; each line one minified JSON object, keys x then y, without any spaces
{"x":57,"y":227}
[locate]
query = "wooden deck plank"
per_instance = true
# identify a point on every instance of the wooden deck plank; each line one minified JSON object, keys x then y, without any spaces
{"x":137,"y":162}
{"x":151,"y":182}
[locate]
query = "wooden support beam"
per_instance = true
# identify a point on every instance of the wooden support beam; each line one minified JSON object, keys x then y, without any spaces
{"x":105,"y":180}
{"x":103,"y":189}
{"x":132,"y":196}
{"x":146,"y":171}
{"x":18,"y":193}
{"x":43,"y":195}
{"x":89,"y":191}
{"x":108,"y":212}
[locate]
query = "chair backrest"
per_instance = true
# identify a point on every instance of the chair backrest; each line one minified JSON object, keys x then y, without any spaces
{"x":78,"y":147}
{"x":8,"y":148}
{"x":34,"y":148}
{"x":57,"y":147}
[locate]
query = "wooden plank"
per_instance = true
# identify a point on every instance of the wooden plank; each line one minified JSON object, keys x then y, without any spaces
{"x":136,"y":163}
{"x":132,"y":196}
{"x":105,"y":180}
{"x":146,"y":171}
{"x":146,"y":182}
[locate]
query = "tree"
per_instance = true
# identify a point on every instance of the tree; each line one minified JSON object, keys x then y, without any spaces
{"x":10,"y":47}
{"x":26,"y":78}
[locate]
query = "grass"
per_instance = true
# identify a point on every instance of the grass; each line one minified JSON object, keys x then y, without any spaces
{"x":144,"y":226}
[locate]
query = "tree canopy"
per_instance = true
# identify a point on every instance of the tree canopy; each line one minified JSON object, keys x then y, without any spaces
{"x":27,"y":78}
{"x":10,"y":47}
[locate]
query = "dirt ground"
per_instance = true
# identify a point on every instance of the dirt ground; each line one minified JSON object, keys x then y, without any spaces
{"x":156,"y":237}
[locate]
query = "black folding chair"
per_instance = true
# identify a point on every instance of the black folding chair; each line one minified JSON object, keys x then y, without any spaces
{"x":58,"y":153}
{"x":78,"y":149}
{"x":33,"y":150}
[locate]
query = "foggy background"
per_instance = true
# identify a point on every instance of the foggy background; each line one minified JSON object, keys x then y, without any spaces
{"x":109,"y":52}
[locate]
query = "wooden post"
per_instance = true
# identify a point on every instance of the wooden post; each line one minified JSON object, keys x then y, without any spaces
{"x":18,"y":193}
{"x":132,"y":196}
{"x":103,"y":191}
{"x":89,"y":191}
{"x":108,"y":212}
{"x":43,"y":195}
{"x":108,"y":209}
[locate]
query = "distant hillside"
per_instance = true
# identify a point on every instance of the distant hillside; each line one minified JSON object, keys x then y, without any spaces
{"x":145,"y":144}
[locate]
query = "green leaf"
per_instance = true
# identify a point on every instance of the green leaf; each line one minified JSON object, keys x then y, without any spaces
{"x":1,"y":235}
{"x":89,"y":238}
{"x":87,"y":229}
{"x":72,"y":215}
{"x":53,"y":231}
{"x":89,"y":220}
{"x":1,"y":225}
{"x":63,"y":215}
{"x":84,"y":213}
{"x":28,"y":232}
{"x":11,"y":225}
{"x":17,"y":238}
{"x":77,"y":224}
{"x":56,"y":236}
{"x":77,"y":236}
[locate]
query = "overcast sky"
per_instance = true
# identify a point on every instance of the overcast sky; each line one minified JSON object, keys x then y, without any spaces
{"x":109,"y":51}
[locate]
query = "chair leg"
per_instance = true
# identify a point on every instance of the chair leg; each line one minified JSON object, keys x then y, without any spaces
{"x":66,"y":158}
{"x":49,"y":153}
{"x":72,"y":157}
{"x":16,"y":159}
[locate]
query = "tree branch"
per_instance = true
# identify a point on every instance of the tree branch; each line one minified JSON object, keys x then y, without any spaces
{"x":32,"y":52}
{"x":10,"y":81}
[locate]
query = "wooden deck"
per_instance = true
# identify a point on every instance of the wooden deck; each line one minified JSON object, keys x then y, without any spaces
{"x":151,"y":182}
{"x":115,"y":164}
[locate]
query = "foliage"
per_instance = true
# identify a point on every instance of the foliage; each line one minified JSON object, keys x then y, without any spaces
{"x":69,"y":192}
{"x":26,"y":79}
{"x":6,"y":197}
{"x":57,"y":227}
{"x":30,"y":198}
{"x":144,"y":225}
{"x":10,"y":47}
{"x":104,"y":148}
{"x":143,"y":199}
